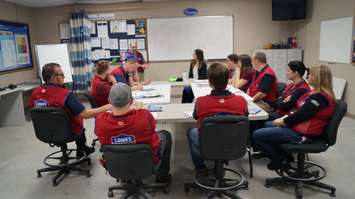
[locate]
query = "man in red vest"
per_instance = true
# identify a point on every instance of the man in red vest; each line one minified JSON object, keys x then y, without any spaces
{"x":263,"y":89}
{"x":127,"y":124}
{"x":54,"y":94}
{"x":140,"y":60}
{"x":220,"y":101}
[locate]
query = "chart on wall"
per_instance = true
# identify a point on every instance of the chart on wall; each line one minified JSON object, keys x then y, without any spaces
{"x":15,"y":50}
{"x":112,"y":39}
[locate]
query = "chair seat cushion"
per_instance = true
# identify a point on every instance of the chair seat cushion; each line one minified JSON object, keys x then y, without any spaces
{"x":315,"y":147}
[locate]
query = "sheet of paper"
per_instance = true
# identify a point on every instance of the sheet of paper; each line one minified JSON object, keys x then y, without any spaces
{"x":141,"y":43}
{"x":114,"y":44}
{"x":122,"y":26}
{"x":123,"y":44}
{"x":114,"y":26}
{"x":102,"y":29}
{"x":93,"y":28}
{"x":105,"y":42}
{"x":132,"y":41}
{"x":64,"y":30}
{"x":95,"y":42}
{"x":131,"y":29}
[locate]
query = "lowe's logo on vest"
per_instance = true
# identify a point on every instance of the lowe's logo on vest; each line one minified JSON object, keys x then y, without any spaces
{"x":123,"y":139}
{"x":41,"y":103}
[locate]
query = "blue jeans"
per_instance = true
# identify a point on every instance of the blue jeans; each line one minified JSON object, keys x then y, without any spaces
{"x":193,"y":140}
{"x":164,"y":152}
{"x":269,"y":139}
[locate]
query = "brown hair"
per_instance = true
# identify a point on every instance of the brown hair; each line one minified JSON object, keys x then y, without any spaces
{"x":48,"y":71}
{"x":233,"y":58}
{"x":101,"y":67}
{"x":245,"y":63}
{"x":218,"y":76}
{"x":260,"y":56}
{"x":322,"y":79}
{"x":200,"y":58}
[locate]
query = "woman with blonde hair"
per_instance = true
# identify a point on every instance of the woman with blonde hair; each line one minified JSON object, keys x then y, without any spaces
{"x":306,"y":121}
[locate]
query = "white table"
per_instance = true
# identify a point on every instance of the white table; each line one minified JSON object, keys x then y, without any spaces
{"x":12,"y":105}
{"x":163,"y":89}
{"x":175,"y":113}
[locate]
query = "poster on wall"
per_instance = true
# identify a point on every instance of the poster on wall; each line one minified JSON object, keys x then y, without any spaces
{"x":15,"y":51}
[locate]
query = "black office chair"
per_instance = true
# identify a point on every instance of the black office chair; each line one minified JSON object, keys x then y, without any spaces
{"x":93,"y":104}
{"x":280,"y":88}
{"x":222,"y":138}
{"x":305,"y":172}
{"x":52,"y":126}
{"x":131,"y":163}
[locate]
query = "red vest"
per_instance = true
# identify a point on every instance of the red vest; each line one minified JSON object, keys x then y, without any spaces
{"x":134,"y":127}
{"x":290,"y":89}
{"x":54,"y":96}
{"x":254,"y":86}
{"x":315,"y":125}
{"x":101,"y":97}
{"x":120,"y":71}
{"x":209,"y":105}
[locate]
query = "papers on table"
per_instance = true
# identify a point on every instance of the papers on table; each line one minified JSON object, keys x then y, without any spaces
{"x":188,"y":114}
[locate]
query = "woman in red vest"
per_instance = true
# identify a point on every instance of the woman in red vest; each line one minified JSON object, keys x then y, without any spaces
{"x":307,"y":122}
{"x":294,"y":92}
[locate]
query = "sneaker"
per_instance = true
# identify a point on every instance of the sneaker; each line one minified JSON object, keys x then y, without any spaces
{"x":164,"y":178}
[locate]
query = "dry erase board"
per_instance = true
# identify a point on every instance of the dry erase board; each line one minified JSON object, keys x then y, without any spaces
{"x":336,"y":40}
{"x":175,"y":38}
{"x":55,"y":53}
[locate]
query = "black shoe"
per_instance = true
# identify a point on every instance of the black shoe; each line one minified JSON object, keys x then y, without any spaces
{"x":283,"y":166}
{"x":164,"y":178}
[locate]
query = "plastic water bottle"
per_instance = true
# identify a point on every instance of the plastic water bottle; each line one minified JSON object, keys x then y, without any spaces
{"x":185,"y":77}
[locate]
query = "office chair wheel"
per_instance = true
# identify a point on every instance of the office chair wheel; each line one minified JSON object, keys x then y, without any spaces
{"x":39,"y":175}
{"x":332,"y":193}
{"x":110,"y":194}
{"x":187,"y":188}
{"x":267,"y":185}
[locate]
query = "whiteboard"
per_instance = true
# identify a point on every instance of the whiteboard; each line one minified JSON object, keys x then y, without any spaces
{"x":176,"y":38}
{"x":336,"y":40}
{"x":54,"y":53}
{"x":338,"y":87}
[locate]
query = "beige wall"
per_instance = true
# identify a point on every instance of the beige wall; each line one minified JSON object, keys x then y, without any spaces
{"x":308,"y":34}
{"x":12,"y":12}
{"x":252,"y":22}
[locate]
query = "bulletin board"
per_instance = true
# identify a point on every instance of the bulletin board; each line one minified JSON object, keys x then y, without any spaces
{"x":111,"y":39}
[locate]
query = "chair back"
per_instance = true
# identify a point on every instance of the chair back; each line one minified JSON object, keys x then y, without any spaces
{"x":224,"y":137}
{"x":280,"y":88}
{"x":331,"y":130}
{"x":130,"y":161}
{"x":51,"y":125}
{"x":91,"y":100}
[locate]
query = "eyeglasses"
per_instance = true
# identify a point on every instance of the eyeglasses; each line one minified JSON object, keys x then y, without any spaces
{"x":61,"y":74}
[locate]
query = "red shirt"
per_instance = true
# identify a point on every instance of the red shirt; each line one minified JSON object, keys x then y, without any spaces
{"x":247,"y":75}
{"x":209,"y":105}
{"x":134,"y":127}
{"x":100,"y":89}
{"x":55,"y":96}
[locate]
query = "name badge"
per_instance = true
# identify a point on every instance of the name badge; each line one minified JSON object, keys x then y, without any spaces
{"x":123,"y":139}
